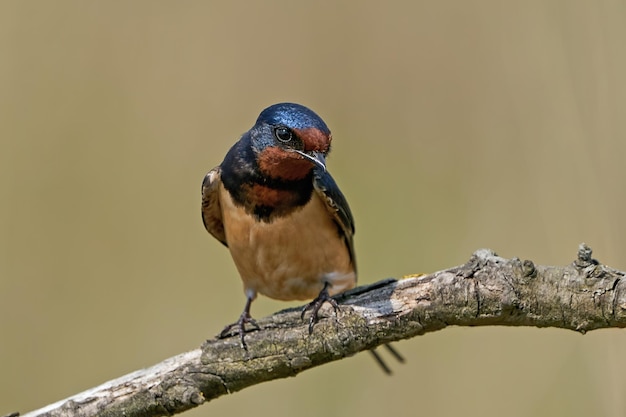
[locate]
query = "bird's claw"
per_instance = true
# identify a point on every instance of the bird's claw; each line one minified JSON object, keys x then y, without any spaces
{"x":316,"y":305}
{"x":240,"y":328}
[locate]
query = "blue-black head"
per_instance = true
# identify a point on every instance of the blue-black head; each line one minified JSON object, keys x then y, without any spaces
{"x":292,"y":115}
{"x":290,"y":140}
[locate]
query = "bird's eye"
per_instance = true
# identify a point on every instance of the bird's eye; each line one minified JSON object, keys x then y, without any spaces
{"x":283,"y":134}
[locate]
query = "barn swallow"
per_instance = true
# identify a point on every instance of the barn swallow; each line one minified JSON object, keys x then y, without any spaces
{"x":287,"y":225}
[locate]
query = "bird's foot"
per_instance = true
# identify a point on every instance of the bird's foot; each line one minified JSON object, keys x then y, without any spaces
{"x":239,"y":327}
{"x":316,"y":305}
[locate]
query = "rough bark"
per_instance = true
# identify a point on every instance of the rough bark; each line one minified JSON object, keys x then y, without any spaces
{"x":487,"y":290}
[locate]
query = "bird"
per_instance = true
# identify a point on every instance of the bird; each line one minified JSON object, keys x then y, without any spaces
{"x":275,"y":206}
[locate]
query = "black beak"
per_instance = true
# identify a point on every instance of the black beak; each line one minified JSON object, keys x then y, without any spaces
{"x":316,"y":157}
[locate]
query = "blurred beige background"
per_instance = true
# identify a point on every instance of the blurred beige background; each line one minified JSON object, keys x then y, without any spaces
{"x":457,"y":125}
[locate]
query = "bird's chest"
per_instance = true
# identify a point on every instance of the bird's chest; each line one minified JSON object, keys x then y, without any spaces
{"x":290,"y":257}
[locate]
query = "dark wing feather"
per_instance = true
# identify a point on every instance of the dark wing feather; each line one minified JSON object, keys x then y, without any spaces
{"x":337,"y":206}
{"x":211,"y":210}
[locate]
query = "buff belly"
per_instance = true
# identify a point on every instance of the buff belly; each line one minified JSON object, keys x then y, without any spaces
{"x":291,"y":257}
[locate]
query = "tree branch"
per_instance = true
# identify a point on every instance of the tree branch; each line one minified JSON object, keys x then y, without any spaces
{"x":487,"y":290}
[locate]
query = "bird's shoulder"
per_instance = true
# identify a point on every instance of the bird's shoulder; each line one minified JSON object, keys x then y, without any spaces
{"x":211,"y":210}
{"x":337,"y":205}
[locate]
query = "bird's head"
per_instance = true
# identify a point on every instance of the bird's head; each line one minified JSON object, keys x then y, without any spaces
{"x":290,"y":140}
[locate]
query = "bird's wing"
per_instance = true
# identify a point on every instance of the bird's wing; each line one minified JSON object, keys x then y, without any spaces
{"x":211,"y":210}
{"x":337,"y":206}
